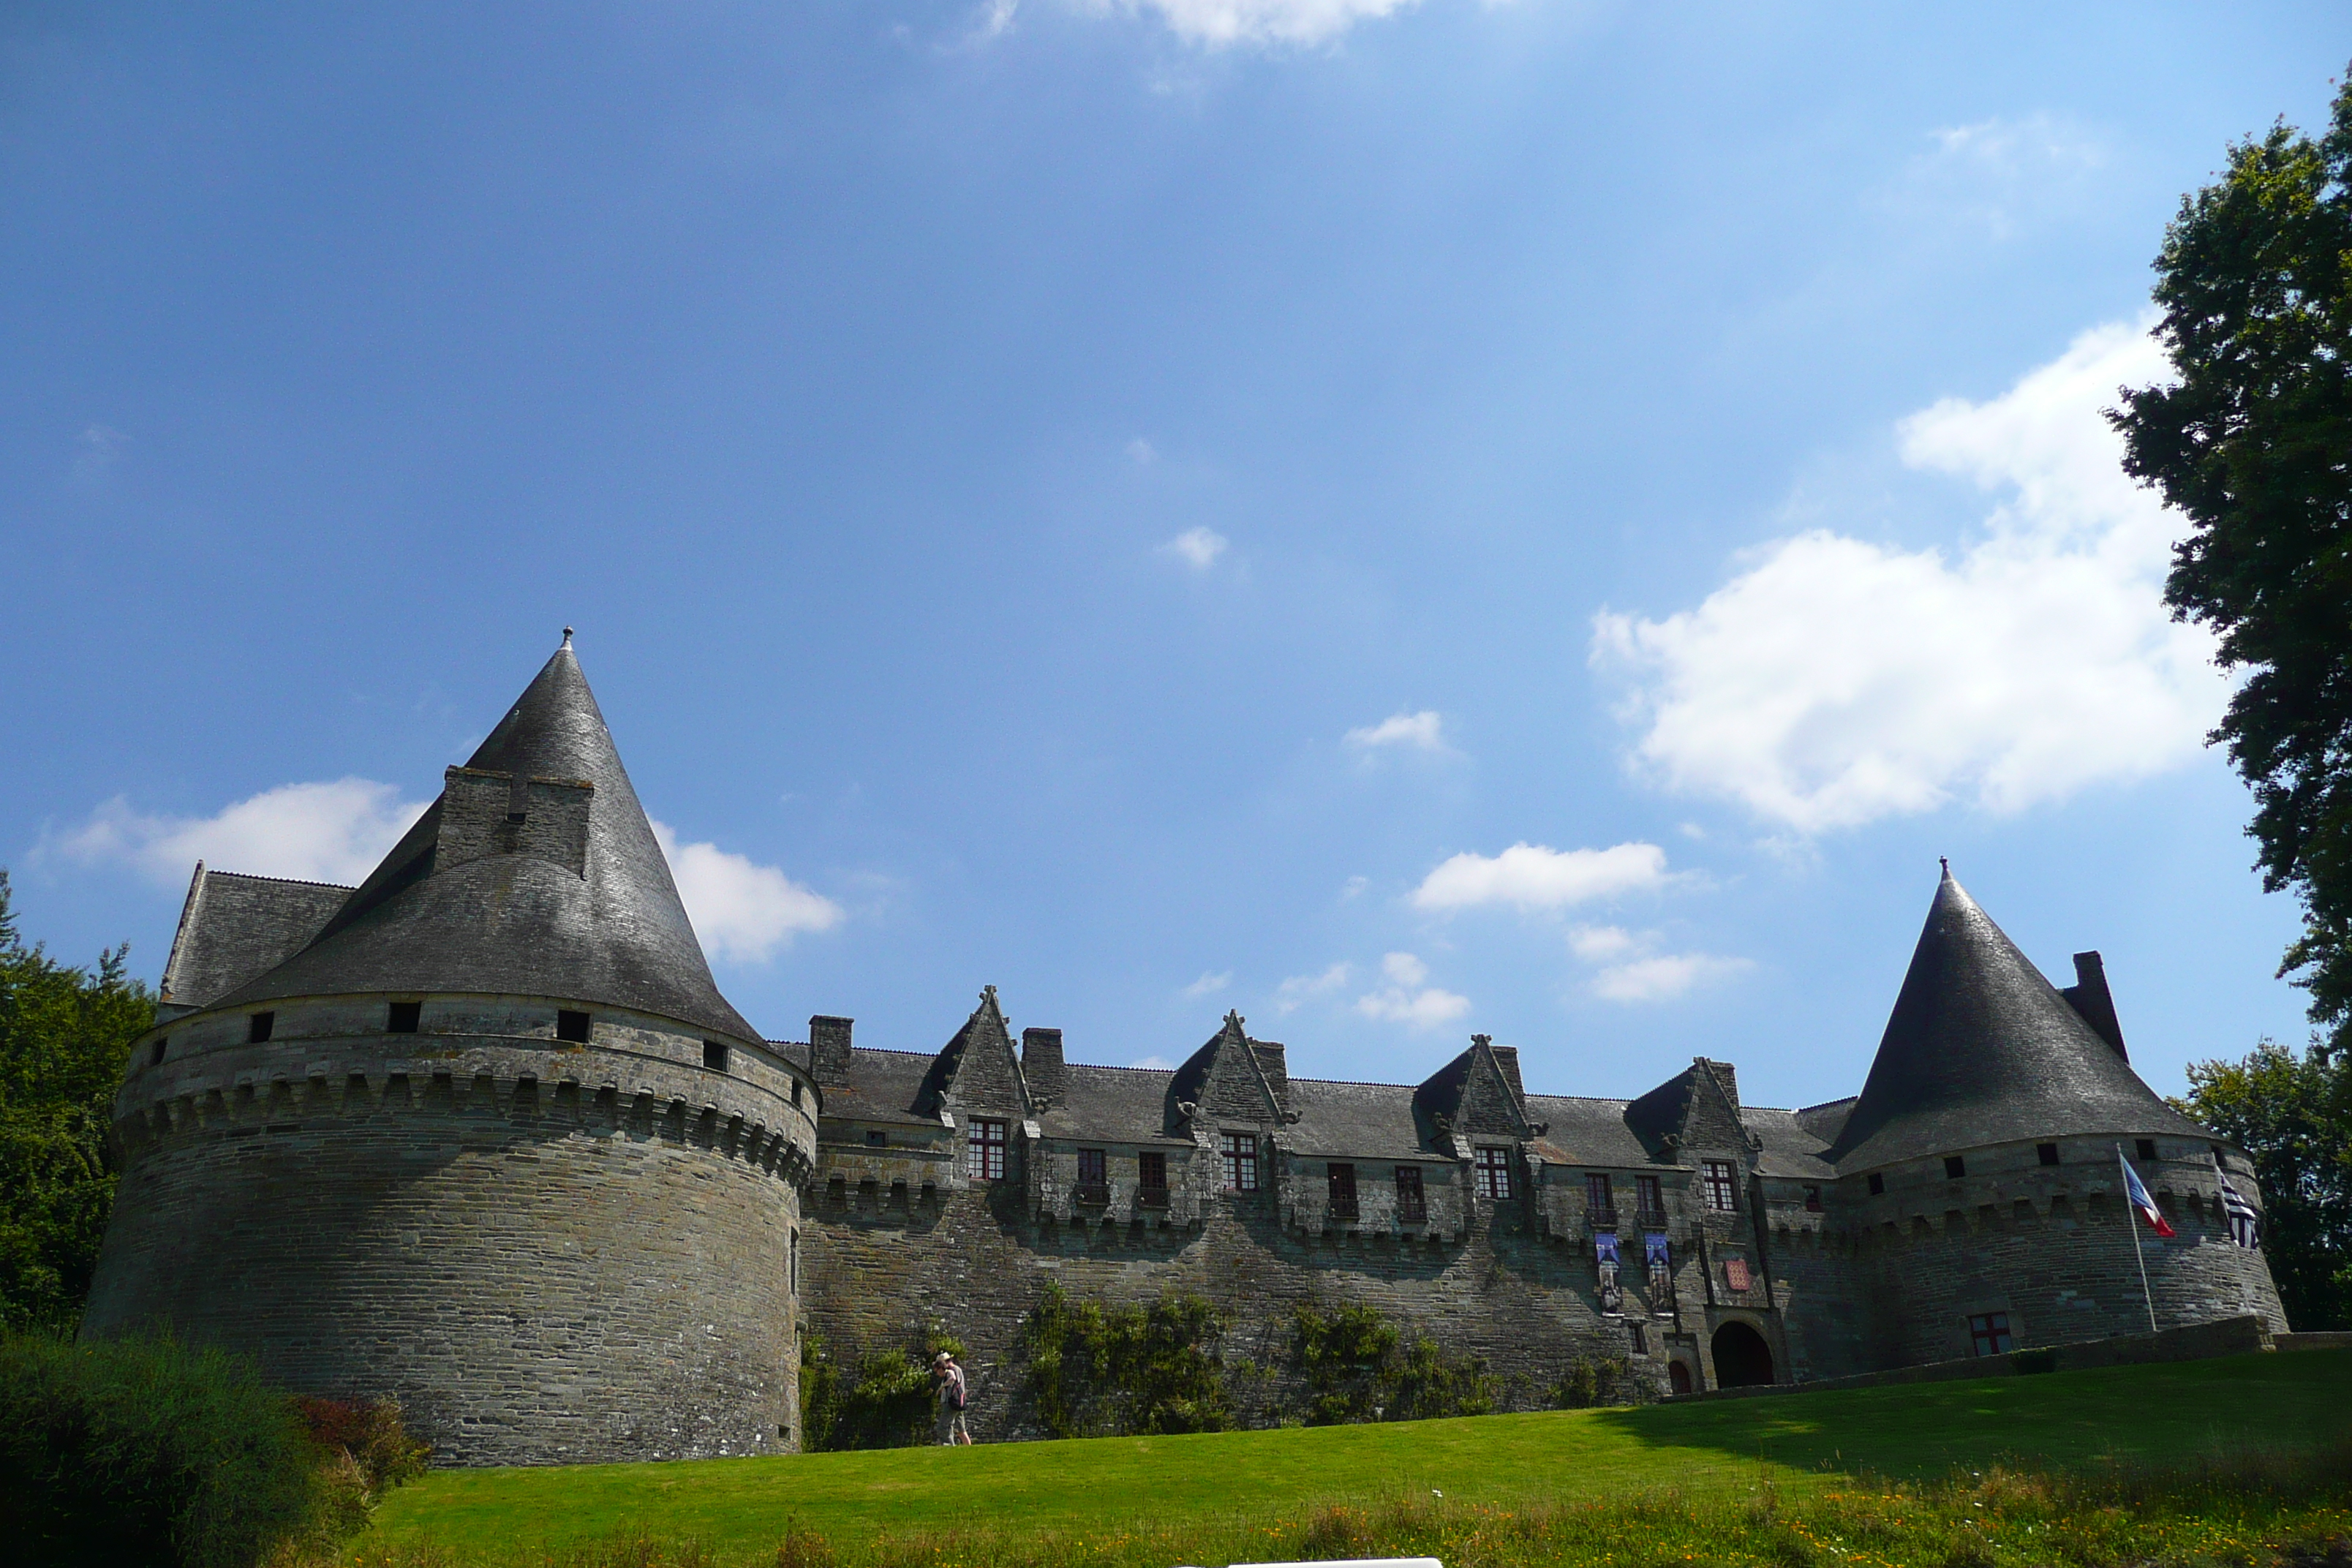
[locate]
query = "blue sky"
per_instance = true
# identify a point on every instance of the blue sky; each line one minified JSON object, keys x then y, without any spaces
{"x":1533,"y":518}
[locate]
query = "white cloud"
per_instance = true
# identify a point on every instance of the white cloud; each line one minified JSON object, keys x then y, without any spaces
{"x":1142,"y":453}
{"x":1631,"y":971}
{"x":1209,"y":984}
{"x":1534,"y":877}
{"x":1665,"y":976}
{"x":1998,"y":175}
{"x":330,"y":831}
{"x":1292,"y":993}
{"x":1156,"y":1064}
{"x":1835,"y":681}
{"x":741,"y":910}
{"x":1219,"y":22}
{"x":1197,"y":547}
{"x":1354,"y":887}
{"x":1406,"y":1000}
{"x":1422,"y":731}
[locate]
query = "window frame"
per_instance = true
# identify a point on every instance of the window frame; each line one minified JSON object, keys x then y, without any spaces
{"x":1599,"y":1192}
{"x":1990,"y":1334}
{"x":1151,"y":1170}
{"x":1238,"y":1153}
{"x":985,"y":1142}
{"x":1340,"y":1176}
{"x":1650,"y":1196}
{"x":1412,"y":1195}
{"x":1093,"y":1167}
{"x":1721,"y":1185}
{"x":1492,"y":1162}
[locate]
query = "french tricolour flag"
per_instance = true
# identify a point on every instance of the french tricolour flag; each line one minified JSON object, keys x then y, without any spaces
{"x":2141,"y":1201}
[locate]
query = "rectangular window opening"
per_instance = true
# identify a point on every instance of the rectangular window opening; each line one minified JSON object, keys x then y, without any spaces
{"x":570,"y":1025}
{"x":1413,"y":1207}
{"x":156,"y":1051}
{"x":403,"y":1017}
{"x":1813,"y":1199}
{"x":1239,"y":1151}
{"x":1152,"y":1168}
{"x":2046,"y":1152}
{"x":984,"y":1149}
{"x":1653,"y":1199}
{"x":1877,"y":1183}
{"x":1955,"y":1167}
{"x":2147,"y":1148}
{"x":1093,"y":1167}
{"x":1493,"y":1173}
{"x":1600,"y":1197}
{"x":1988,"y":1334}
{"x":259,"y":1027}
{"x":1342,"y":1180}
{"x":1722,"y":1188}
{"x":796,"y":1094}
{"x":877,"y":1140}
{"x":714,"y":1056}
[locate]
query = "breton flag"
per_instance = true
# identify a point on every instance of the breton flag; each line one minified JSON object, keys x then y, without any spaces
{"x":2245,"y":1225}
{"x":2141,"y":1201}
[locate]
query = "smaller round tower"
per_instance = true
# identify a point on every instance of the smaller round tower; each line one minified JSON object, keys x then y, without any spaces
{"x":1980,"y":1171}
{"x":482,"y":1134}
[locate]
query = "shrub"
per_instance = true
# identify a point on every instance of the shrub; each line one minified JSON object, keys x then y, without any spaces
{"x":145,"y":1451}
{"x":1126,"y":1371}
{"x":889,"y":1405}
{"x":1358,"y":1368}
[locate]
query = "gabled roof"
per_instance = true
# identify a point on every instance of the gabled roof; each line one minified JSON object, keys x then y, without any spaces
{"x":564,"y":894}
{"x":234,"y":927}
{"x":977,"y":1066}
{"x":1983,"y":1050}
{"x":1225,"y":1077}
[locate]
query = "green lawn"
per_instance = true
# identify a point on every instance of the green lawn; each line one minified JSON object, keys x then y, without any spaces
{"x":2171,"y":1414}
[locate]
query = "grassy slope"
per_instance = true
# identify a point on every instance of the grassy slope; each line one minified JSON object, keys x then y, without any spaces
{"x":2169,"y":1414}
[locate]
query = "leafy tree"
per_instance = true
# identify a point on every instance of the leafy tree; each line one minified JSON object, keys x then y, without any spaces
{"x":2254,"y":446}
{"x":1358,"y":1368}
{"x":2293,"y":1115}
{"x":65,"y":1034}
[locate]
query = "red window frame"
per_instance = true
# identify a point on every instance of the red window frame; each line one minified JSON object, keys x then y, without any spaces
{"x":1988,"y":1333}
{"x":1650,"y":1196}
{"x":1722,"y":1191}
{"x":1239,"y":1153}
{"x":1093,"y":1167}
{"x":1599,"y":1192}
{"x":1151,"y":1170}
{"x":1494,"y":1173}
{"x":983,"y":1153}
{"x":1413,"y":1206}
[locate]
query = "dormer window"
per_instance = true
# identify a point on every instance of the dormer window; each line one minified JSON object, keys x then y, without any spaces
{"x":1722,"y":1189}
{"x":984,"y":1155}
{"x":1239,"y":1151}
{"x":1494,"y":1173}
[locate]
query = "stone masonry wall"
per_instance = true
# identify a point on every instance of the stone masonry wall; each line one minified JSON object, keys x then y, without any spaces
{"x":548,"y":1252}
{"x":874,"y":1279}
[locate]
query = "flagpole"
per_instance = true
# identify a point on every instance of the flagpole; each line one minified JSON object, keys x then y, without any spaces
{"x":2139,"y":1256}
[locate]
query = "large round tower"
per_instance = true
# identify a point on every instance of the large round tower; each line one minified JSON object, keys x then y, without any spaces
{"x":1981,"y":1168}
{"x":482,"y":1134}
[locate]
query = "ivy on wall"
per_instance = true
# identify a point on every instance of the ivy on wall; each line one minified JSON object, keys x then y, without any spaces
{"x":890,"y":1403}
{"x":1358,"y":1367}
{"x":1123,"y":1371}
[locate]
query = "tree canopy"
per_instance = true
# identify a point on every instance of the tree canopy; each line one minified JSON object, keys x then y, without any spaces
{"x":64,"y":1035}
{"x":2254,"y":446}
{"x":2294,"y":1116}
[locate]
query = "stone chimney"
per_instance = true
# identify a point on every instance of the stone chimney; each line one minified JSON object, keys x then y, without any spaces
{"x":2090,"y":997}
{"x":829,"y":1049}
{"x":1041,"y":1063}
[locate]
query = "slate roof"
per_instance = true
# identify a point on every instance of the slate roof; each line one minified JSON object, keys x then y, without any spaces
{"x":882,"y":1086}
{"x":1790,"y":1148}
{"x":234,"y":926}
{"x":1586,"y":1131}
{"x":520,"y":922}
{"x":1983,"y":1050}
{"x":1122,"y":1105}
{"x":1366,"y":1120}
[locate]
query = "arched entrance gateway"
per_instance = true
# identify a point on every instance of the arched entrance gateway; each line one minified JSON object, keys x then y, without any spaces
{"x":1742,"y":1359}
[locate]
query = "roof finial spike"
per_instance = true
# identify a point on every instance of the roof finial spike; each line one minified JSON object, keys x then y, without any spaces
{"x":1945,"y":863}
{"x":567,"y":636}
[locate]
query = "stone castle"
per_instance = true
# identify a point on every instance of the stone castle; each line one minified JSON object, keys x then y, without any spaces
{"x":482,"y":1133}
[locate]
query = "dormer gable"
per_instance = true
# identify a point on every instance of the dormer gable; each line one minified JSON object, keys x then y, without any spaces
{"x":977,"y":1070}
{"x":1698,"y":1108}
{"x":1227,"y":1080}
{"x":1477,"y":1092}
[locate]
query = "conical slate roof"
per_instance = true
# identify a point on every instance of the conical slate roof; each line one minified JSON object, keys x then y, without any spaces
{"x":548,"y":889}
{"x":1981,"y":1050}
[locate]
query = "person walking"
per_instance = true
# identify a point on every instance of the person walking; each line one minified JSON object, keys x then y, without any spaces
{"x":948,"y":1377}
